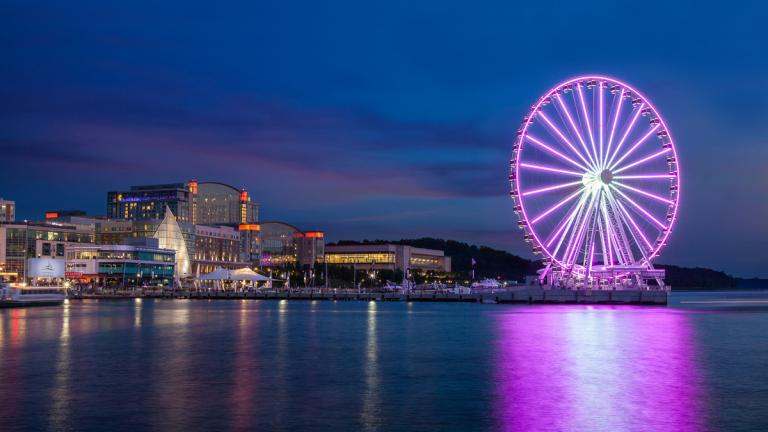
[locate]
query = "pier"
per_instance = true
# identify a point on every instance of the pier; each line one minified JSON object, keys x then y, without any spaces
{"x":523,"y":295}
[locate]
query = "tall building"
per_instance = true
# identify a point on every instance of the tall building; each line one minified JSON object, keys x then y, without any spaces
{"x":206,"y":203}
{"x":149,"y":202}
{"x":7,"y":210}
{"x":221,"y":204}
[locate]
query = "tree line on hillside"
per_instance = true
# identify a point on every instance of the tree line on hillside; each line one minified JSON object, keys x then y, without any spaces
{"x":497,"y":263}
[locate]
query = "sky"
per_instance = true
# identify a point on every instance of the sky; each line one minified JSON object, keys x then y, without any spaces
{"x":375,"y":119}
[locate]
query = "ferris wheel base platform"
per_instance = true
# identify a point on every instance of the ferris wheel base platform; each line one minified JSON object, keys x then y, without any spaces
{"x":541,"y":295}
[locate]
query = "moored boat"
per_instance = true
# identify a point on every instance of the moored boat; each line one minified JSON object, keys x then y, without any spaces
{"x":19,"y":296}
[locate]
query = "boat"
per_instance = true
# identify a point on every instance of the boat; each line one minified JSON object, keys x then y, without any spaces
{"x":486,"y":286}
{"x":12,"y":295}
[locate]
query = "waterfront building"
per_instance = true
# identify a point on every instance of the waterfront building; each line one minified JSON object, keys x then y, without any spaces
{"x":284,"y":245}
{"x":7,"y":210}
{"x":217,"y":246}
{"x":121,"y":265}
{"x":20,"y":242}
{"x":205,"y":203}
{"x":388,"y":256}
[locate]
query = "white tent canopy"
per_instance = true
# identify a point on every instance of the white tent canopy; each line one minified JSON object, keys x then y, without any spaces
{"x":246,"y":274}
{"x":243,"y":274}
{"x":218,"y":274}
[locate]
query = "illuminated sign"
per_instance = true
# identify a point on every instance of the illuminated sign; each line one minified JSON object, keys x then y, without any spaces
{"x":51,"y":215}
{"x":314,"y":234}
{"x":249,"y":227}
{"x":45,"y":268}
{"x":243,"y":196}
{"x":147,"y":198}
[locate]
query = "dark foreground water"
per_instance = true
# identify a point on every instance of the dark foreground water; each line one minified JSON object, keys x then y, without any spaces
{"x":699,"y":365}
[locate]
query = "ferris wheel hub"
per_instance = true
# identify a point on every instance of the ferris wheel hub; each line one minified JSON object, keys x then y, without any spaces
{"x":606,"y":176}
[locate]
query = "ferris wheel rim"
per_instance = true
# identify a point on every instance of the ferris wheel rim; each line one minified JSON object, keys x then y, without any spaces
{"x":523,"y":133}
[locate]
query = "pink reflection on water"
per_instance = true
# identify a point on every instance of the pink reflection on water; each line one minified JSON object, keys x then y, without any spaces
{"x":597,"y":368}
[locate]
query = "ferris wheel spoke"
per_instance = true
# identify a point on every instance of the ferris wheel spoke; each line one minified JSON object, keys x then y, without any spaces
{"x":635,"y":146}
{"x":642,"y":161}
{"x":613,"y":127}
{"x":623,"y":247}
{"x":600,"y":119}
{"x":557,"y":206}
{"x":566,"y":224}
{"x":562,"y":136}
{"x":587,"y":120}
{"x":647,"y":194}
{"x":629,"y":128}
{"x":551,"y":188}
{"x":574,"y":127}
{"x":573,"y":224}
{"x":608,"y":231}
{"x":602,"y":238}
{"x":645,"y":212}
{"x":634,"y":225}
{"x":589,"y":247}
{"x":551,"y":169}
{"x":575,"y":242}
{"x":645,"y":177}
{"x":555,"y":152}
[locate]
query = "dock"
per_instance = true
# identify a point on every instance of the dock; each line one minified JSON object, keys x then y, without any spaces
{"x":522,"y":295}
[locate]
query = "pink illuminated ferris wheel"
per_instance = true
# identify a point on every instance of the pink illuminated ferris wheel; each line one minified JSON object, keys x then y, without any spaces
{"x":595,"y":179}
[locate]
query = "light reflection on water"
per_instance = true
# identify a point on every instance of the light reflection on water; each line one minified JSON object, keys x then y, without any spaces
{"x":597,"y":368}
{"x":262,"y":365}
{"x":61,"y":393}
{"x":371,"y":398}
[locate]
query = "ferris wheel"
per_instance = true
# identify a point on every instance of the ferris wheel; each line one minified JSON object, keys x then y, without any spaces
{"x":595,"y":178}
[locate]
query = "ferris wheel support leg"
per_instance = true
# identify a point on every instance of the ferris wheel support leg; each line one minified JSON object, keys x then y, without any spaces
{"x":544,"y":274}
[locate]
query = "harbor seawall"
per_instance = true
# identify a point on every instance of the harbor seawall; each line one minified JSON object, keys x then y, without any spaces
{"x":525,"y":295}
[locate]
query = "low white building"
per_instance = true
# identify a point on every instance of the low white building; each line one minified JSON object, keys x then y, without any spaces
{"x":388,"y":256}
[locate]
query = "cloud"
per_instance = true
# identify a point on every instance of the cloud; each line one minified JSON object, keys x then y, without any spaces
{"x":329,"y":148}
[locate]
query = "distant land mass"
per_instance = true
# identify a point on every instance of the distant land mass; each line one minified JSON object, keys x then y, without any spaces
{"x":497,"y":263}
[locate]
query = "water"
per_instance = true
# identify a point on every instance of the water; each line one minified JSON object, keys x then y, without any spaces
{"x":698,"y":365}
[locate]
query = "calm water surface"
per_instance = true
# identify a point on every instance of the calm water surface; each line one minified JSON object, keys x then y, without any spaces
{"x":700,"y":364}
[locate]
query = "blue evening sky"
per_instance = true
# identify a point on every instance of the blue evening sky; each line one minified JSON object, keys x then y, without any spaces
{"x":374,"y":119}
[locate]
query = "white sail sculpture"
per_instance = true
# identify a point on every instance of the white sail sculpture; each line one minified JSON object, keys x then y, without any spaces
{"x":169,"y":236}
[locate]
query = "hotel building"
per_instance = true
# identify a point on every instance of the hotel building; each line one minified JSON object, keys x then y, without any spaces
{"x":205,"y":203}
